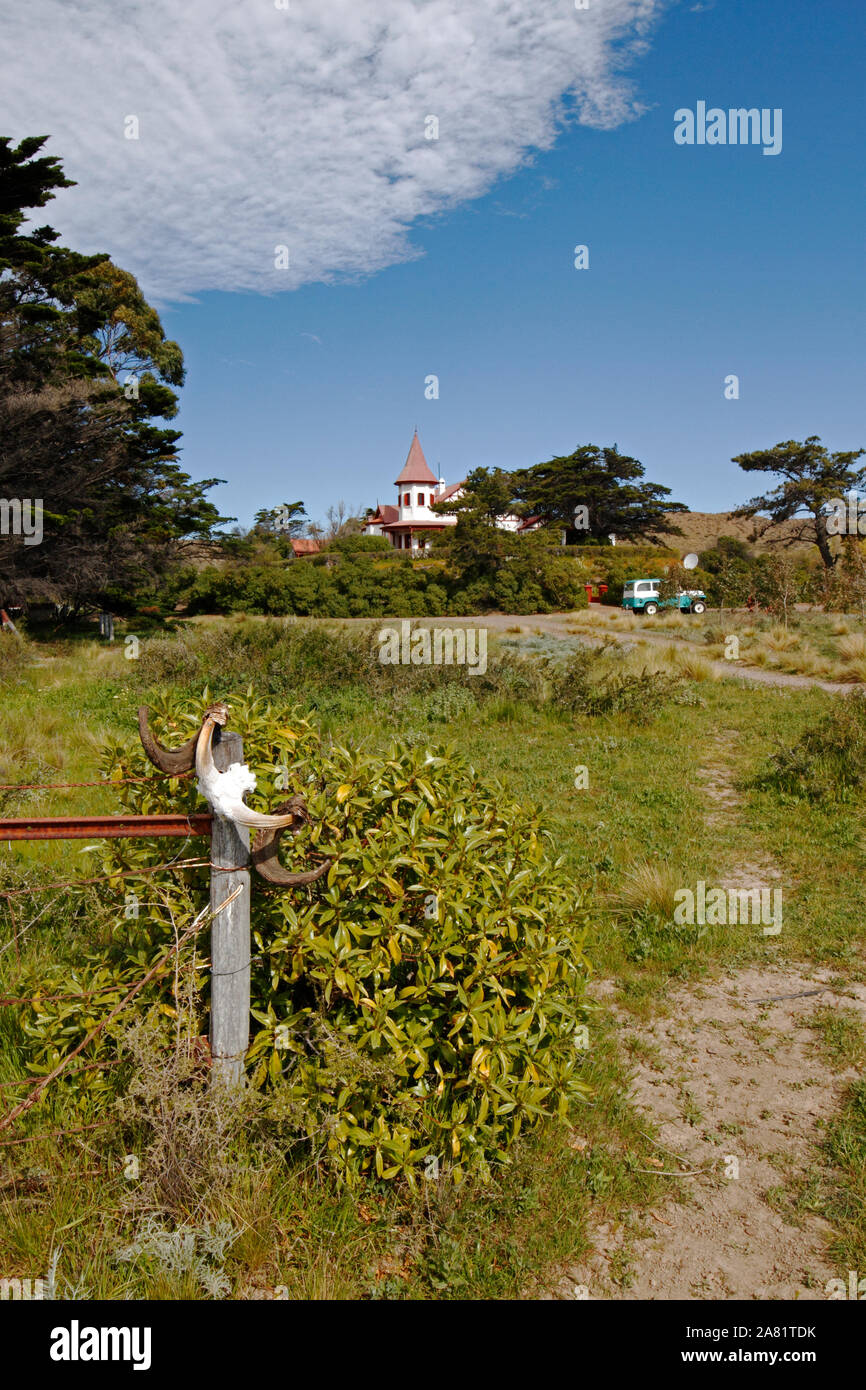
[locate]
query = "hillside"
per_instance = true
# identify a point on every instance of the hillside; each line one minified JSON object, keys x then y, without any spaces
{"x":701,"y":530}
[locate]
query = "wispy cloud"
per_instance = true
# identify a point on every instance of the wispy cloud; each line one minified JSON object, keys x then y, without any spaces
{"x":303,"y":127}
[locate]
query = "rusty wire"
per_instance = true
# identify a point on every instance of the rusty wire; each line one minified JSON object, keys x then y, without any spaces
{"x":67,"y":786}
{"x":54,"y":1133}
{"x":119,"y":873}
{"x":192,"y":929}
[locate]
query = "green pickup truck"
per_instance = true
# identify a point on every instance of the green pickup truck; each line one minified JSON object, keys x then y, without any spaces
{"x":642,"y":596}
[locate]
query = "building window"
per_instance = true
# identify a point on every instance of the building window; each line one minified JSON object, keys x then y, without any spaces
{"x":405,"y":499}
{"x":420,"y":499}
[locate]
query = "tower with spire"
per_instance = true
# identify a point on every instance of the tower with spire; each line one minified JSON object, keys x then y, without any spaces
{"x":410,"y":524}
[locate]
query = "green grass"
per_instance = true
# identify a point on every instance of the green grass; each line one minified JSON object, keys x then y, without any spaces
{"x":635,"y":833}
{"x":842,"y":1037}
{"x":846,"y":1207}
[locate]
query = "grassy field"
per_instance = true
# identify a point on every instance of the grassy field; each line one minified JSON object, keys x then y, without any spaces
{"x":824,"y":646}
{"x":251,"y":1224}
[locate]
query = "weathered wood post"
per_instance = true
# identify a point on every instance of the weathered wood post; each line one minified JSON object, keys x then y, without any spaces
{"x":230,"y":931}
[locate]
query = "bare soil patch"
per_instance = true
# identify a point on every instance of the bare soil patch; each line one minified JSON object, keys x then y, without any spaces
{"x":734,"y":1081}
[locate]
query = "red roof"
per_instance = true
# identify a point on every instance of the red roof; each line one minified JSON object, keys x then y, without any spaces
{"x":416,"y":468}
{"x":305,"y":547}
{"x":450,"y":491}
{"x":382,"y":514}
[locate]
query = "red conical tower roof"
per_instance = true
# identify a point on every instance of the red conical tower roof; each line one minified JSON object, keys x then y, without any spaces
{"x":416,"y":469}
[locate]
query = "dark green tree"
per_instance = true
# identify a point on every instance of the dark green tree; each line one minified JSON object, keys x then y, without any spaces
{"x":487,"y":493}
{"x":495,"y":568}
{"x":811,"y":478}
{"x":733,"y":571}
{"x":607,"y":485}
{"x":86,"y":374}
{"x":288,"y":519}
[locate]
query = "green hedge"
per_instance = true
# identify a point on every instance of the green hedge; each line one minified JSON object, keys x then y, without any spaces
{"x":358,"y":585}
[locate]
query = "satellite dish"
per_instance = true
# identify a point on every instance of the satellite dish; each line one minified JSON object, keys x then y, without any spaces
{"x":690,"y":562}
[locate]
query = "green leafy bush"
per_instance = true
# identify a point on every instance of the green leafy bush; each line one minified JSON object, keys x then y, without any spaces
{"x":363,"y":577}
{"x":828,"y":761}
{"x":449,"y":702}
{"x":585,"y":685}
{"x":417,"y":1006}
{"x":357,"y":579}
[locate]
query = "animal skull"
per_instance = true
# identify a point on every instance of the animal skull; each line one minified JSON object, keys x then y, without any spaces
{"x":266,"y":844}
{"x":225,"y":792}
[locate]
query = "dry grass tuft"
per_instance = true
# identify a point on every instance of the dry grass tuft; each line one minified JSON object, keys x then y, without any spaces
{"x":852,"y":646}
{"x":649,"y":884}
{"x":781,"y":639}
{"x":680,"y":661}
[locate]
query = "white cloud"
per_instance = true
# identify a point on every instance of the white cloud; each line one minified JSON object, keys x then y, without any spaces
{"x":262,"y":127}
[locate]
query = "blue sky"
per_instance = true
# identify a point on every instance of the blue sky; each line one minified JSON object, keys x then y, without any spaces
{"x":704,"y":261}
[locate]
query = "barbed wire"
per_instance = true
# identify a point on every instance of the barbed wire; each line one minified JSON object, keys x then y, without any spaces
{"x":55,"y":1133}
{"x":197,"y":863}
{"x":103,"y":782}
{"x":194,"y":927}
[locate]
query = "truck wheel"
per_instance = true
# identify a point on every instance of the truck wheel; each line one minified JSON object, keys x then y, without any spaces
{"x":651,"y":609}
{"x":698,"y":607}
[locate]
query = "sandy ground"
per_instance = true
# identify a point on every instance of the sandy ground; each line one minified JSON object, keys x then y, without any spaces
{"x":733,"y":1080}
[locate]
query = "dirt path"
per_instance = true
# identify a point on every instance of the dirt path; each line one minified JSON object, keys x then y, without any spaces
{"x":716,"y":777}
{"x":562,"y":625}
{"x":733,"y":1081}
{"x":731,"y":1078}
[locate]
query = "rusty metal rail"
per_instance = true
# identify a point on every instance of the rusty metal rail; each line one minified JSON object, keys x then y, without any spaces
{"x":103,"y":827}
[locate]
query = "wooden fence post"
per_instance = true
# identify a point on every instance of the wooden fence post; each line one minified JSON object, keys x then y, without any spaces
{"x":230,"y":932}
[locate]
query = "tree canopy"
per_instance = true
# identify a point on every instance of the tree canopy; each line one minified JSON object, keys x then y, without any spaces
{"x":811,"y":478}
{"x":288,"y":519}
{"x":86,"y":375}
{"x":606,"y":485}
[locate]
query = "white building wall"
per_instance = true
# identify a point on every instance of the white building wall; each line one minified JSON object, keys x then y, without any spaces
{"x":417,"y":511}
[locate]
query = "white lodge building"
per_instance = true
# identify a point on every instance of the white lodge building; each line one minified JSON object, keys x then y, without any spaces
{"x":411,"y":524}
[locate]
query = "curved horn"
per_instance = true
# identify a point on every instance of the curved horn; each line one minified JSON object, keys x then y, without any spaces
{"x":265,"y":852}
{"x":219,"y":788}
{"x":170,"y":760}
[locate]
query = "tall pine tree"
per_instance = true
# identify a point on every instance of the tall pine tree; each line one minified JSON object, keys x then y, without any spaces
{"x":86,"y":380}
